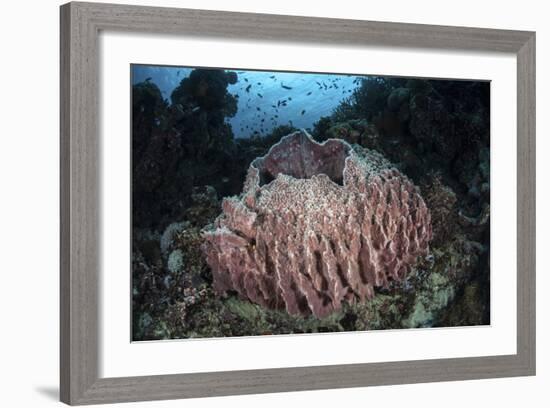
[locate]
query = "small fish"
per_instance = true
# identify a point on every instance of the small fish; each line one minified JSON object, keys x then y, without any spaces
{"x":272,"y":76}
{"x":273,"y":106}
{"x":248,"y":88}
{"x":225,"y":179}
{"x":258,"y":109}
{"x":303,"y":111}
{"x":148,"y":79}
{"x":285,"y":86}
{"x":246,"y":80}
{"x":178,"y":73}
{"x":195,"y":109}
{"x":336,"y":86}
{"x":259,"y":83}
{"x":289,"y":98}
{"x":309,"y":93}
{"x":260,"y":95}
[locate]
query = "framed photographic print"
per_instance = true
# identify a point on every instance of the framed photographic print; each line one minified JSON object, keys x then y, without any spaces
{"x":355,"y":197}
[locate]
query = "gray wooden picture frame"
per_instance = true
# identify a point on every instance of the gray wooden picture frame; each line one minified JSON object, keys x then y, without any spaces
{"x":80,"y":157}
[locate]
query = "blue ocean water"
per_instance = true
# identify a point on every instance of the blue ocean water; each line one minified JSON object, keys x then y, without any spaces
{"x":266,"y":99}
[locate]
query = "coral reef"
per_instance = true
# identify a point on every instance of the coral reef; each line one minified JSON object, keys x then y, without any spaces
{"x":186,"y":161}
{"x":442,"y":202}
{"x":173,"y":144}
{"x":317,"y":225}
{"x":171,"y":281}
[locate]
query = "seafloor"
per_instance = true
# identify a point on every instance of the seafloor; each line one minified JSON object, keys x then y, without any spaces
{"x":185,"y":159}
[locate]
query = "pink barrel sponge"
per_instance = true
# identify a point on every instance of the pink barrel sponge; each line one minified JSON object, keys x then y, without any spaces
{"x":317,"y":225}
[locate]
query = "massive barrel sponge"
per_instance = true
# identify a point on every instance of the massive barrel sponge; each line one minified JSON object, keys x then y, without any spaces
{"x":317,"y":224}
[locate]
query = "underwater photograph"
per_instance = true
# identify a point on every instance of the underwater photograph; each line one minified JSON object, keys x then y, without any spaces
{"x":269,"y":202}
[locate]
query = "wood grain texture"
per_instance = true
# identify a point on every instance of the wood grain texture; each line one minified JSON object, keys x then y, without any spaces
{"x":80,"y":233}
{"x":526,"y":168}
{"x":79,"y":204}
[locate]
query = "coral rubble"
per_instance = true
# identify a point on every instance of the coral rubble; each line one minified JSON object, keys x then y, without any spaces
{"x":317,"y":225}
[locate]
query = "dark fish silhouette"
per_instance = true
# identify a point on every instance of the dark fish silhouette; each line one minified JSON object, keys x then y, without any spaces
{"x":285,"y":86}
{"x":248,"y":88}
{"x":258,"y":109}
{"x":309,"y":93}
{"x":304,"y":111}
{"x":289,"y":98}
{"x":148,"y":79}
{"x":259,"y":83}
{"x":272,"y":76}
{"x":246,"y":80}
{"x":260,"y":95}
{"x":178,"y":73}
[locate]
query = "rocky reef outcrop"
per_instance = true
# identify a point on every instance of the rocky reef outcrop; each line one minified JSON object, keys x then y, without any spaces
{"x":316,"y":226}
{"x":181,"y":144}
